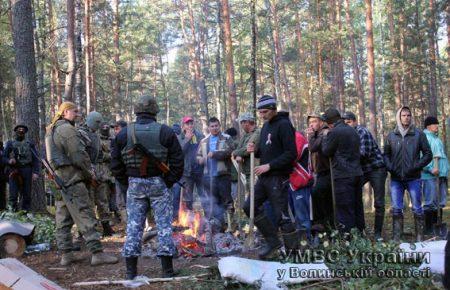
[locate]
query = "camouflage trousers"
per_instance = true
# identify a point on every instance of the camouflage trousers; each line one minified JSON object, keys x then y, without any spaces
{"x":79,"y":211}
{"x":142,"y":194}
{"x":99,"y":199}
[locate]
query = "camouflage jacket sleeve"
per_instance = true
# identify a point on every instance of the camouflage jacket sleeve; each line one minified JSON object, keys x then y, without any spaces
{"x":241,"y":149}
{"x":71,"y":142}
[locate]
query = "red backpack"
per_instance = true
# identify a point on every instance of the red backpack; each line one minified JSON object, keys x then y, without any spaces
{"x":300,"y":176}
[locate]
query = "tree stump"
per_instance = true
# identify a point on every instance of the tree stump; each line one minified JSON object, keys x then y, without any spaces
{"x":12,"y":245}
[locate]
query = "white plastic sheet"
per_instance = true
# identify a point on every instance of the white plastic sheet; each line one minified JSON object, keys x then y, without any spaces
{"x":436,"y":250}
{"x":270,"y":275}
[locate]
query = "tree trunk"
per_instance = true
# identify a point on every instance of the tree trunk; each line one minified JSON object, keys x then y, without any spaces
{"x":432,"y":104}
{"x":87,"y":55}
{"x":371,"y":69}
{"x":79,"y":53}
{"x":55,"y":88}
{"x":26,"y":99}
{"x":70,"y":77}
{"x":40,"y":45}
{"x":319,"y":60}
{"x":279,"y":58}
{"x":199,"y":77}
{"x":116,"y":86}
{"x":355,"y":66}
{"x":395,"y":51}
{"x":229,"y":65}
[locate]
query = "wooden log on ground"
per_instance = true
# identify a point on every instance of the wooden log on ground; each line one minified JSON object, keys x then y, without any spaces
{"x":12,"y":245}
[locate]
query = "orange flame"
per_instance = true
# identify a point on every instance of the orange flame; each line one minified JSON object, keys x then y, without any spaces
{"x":187,"y":219}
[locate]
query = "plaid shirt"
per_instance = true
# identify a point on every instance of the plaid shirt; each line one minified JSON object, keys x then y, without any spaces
{"x":371,"y":157}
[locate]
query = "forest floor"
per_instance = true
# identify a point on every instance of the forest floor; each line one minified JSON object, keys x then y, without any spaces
{"x":47,"y":263}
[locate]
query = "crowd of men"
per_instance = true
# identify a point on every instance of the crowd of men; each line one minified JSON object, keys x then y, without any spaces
{"x":307,"y":182}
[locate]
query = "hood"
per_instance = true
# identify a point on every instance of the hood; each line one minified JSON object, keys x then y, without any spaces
{"x":280,"y":115}
{"x":399,"y":127}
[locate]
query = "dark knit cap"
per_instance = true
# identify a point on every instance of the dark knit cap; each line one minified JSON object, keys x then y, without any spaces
{"x":430,"y":120}
{"x":266,"y":102}
{"x":231,"y":131}
{"x":331,"y":116}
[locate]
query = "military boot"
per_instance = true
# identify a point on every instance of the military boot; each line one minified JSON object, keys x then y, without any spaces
{"x":418,"y":226}
{"x":397,"y":227}
{"x":167,"y":267}
{"x":428,"y":216}
{"x":69,"y":258}
{"x":270,"y":233}
{"x":131,"y":264}
{"x":107,"y":229}
{"x":100,"y":258}
{"x":378,"y":228}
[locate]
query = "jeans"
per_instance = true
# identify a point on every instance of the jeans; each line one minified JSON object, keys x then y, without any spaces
{"x":377,"y":180}
{"x":433,"y":200}
{"x":397,"y":190}
{"x":220,"y":197}
{"x":299,"y":201}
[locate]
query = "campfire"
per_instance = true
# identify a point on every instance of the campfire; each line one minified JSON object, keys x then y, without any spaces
{"x":195,"y":236}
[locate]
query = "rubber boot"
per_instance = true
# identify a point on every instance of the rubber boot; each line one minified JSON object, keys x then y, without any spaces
{"x":167,"y":267}
{"x":270,"y":250}
{"x":100,"y":258}
{"x":131,"y":265}
{"x":397,"y":227}
{"x":230,"y":224}
{"x":123,"y":216}
{"x":107,"y":229}
{"x":291,"y":240}
{"x":378,"y":227}
{"x":428,"y":215}
{"x":418,"y":226}
{"x":69,"y":258}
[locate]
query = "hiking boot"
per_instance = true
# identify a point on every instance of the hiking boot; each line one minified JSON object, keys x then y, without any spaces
{"x":167,"y":267}
{"x":273,"y":244}
{"x":397,"y":227}
{"x":131,"y":265}
{"x":69,"y":258}
{"x":100,"y":258}
{"x":107,"y":229}
{"x":418,"y":226}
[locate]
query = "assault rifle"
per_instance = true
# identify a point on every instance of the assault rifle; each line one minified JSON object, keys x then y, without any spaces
{"x":53,"y":176}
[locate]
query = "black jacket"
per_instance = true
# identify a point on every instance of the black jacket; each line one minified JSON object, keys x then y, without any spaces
{"x":403,"y":155}
{"x":277,"y":145}
{"x":342,"y":145}
{"x":167,"y":138}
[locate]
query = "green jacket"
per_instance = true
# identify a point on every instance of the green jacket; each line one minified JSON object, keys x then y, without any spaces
{"x":241,"y":149}
{"x":67,"y":153}
{"x":438,"y":150}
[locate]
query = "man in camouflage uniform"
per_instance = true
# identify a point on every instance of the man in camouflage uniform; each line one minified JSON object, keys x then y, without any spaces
{"x":148,"y":185}
{"x":99,"y":190}
{"x":67,"y":155}
{"x":22,"y":169}
{"x":251,"y":134}
{"x":103,"y":171}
